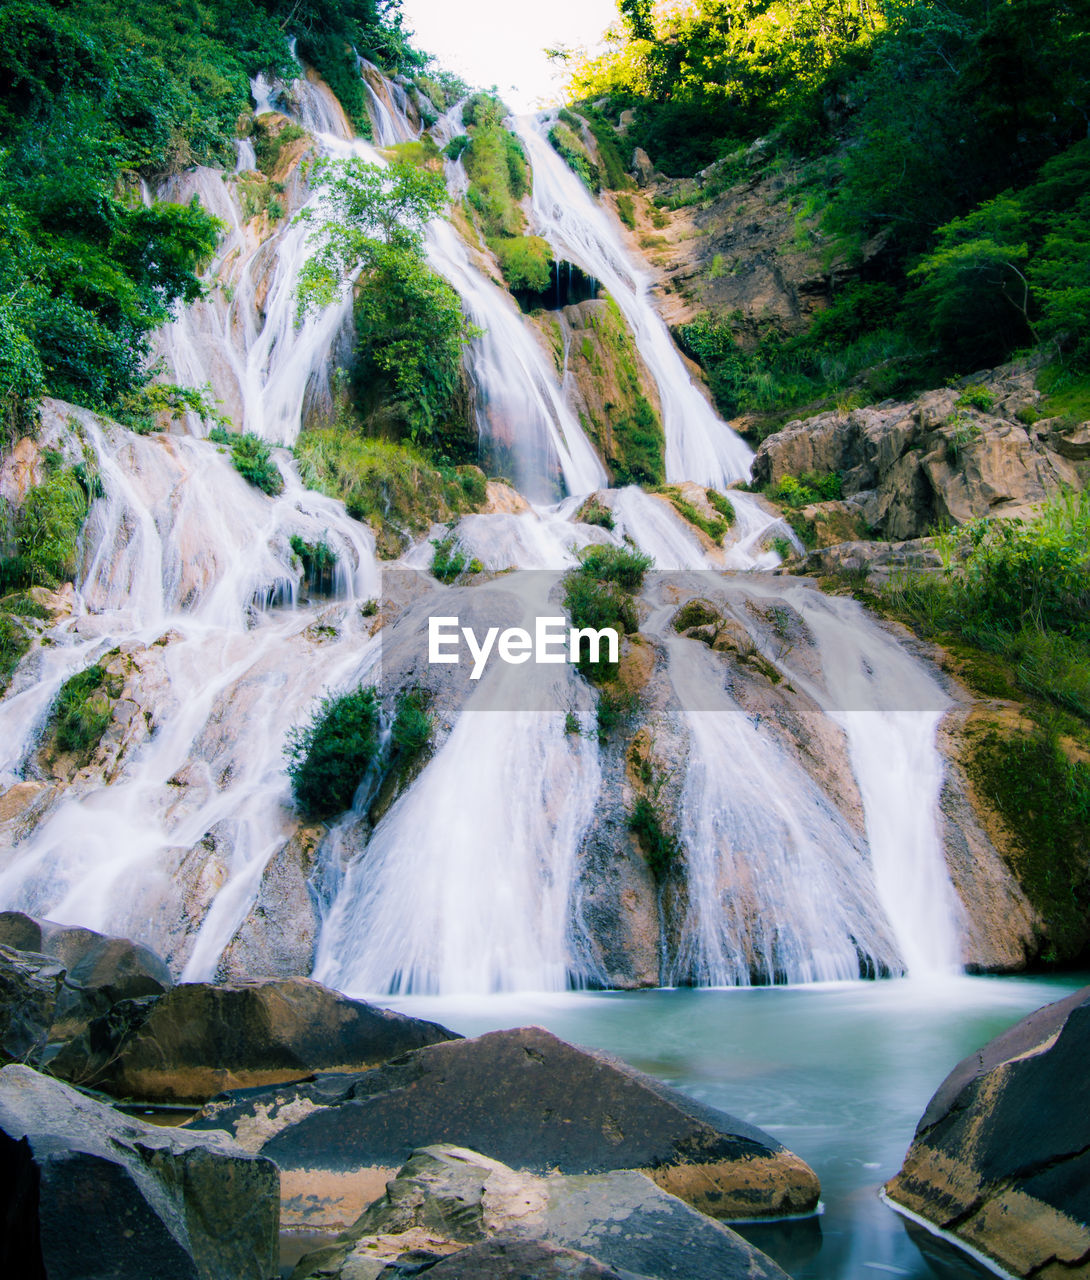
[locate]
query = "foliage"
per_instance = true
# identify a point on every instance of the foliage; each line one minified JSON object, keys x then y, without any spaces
{"x":567,"y":143}
{"x":623,"y":565}
{"x":269,"y":143}
{"x":413,"y":724}
{"x":801,"y":491}
{"x":14,"y":642}
{"x":449,"y":561}
{"x":722,"y":504}
{"x":251,"y":458}
{"x":81,"y":712}
{"x":140,"y":409}
{"x":526,"y":262}
{"x":595,"y":512}
{"x":46,"y":530}
{"x":329,"y":757}
{"x":319,"y":562}
{"x":599,"y":594}
{"x":391,"y":486}
{"x":714,"y":526}
{"x":626,"y":211}
{"x":409,"y":323}
{"x":660,"y":848}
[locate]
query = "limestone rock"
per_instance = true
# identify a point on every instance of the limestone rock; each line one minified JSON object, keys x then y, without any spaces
{"x":90,"y":1192}
{"x":29,"y":986}
{"x":523,"y":1097}
{"x":932,"y":461}
{"x":447,"y":1196}
{"x":199,"y":1039}
{"x":1001,"y":1156}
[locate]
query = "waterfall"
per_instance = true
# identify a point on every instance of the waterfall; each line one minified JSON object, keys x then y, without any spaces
{"x":699,"y":445}
{"x":470,"y":880}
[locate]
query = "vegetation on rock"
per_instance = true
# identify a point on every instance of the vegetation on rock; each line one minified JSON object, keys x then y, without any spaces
{"x":329,"y":757}
{"x":81,"y":712}
{"x":251,"y":458}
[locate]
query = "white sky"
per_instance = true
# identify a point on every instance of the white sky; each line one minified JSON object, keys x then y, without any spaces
{"x":501,"y":42}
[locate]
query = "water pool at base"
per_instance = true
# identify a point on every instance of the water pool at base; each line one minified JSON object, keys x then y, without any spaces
{"x":838,"y":1073}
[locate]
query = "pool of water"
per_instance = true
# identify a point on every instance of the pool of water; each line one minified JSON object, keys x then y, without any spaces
{"x":838,"y":1073}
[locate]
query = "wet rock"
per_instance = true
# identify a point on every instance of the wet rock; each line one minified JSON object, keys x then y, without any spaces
{"x":523,"y":1097}
{"x":1001,"y":1156}
{"x":199,"y":1039}
{"x":19,"y":931}
{"x":445,"y":1196}
{"x":29,"y":986}
{"x":877,"y":561}
{"x":519,"y":1260}
{"x":89,"y":1192}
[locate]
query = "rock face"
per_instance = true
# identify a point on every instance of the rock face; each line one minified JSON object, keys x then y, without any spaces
{"x":29,"y":987}
{"x":99,"y":970}
{"x":89,"y":1192}
{"x":934,"y":461}
{"x":523,"y":1097}
{"x":199,"y":1039}
{"x":447,"y":1197}
{"x":1001,"y":1156}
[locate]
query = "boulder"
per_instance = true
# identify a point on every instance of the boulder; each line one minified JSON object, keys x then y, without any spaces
{"x":199,"y":1039}
{"x":88,"y":1192}
{"x":516,"y":1259}
{"x":523,"y":1097}
{"x":99,"y":970}
{"x":1001,"y":1157}
{"x":447,"y":1196}
{"x":29,"y":986}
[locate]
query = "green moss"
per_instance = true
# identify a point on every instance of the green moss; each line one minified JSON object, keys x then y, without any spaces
{"x":393,"y":487}
{"x":696,"y":613}
{"x":498,"y":177}
{"x":318,"y":560}
{"x":526,"y":261}
{"x":421,"y":153}
{"x":329,"y":757}
{"x":659,"y":847}
{"x":1043,"y":797}
{"x":714,"y":526}
{"x":722,"y":504}
{"x":569,"y":146}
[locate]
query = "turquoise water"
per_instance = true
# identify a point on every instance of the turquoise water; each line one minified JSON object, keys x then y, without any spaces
{"x":838,"y":1073}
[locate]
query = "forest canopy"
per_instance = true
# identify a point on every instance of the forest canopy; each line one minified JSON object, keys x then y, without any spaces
{"x":97,"y":99}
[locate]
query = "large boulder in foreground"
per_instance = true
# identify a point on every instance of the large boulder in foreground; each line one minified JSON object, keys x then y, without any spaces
{"x":200,"y":1039}
{"x":87,"y":1192}
{"x":446,"y":1198}
{"x":522,"y":1097}
{"x":1001,"y":1156}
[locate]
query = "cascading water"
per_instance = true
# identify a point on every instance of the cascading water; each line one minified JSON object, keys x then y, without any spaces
{"x":469,"y":881}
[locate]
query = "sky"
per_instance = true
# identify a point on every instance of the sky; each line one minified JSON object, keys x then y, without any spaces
{"x":502,"y":42}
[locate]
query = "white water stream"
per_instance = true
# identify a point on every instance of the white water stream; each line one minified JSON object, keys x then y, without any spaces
{"x":470,"y":880}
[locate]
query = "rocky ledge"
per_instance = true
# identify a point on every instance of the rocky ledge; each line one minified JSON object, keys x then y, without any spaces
{"x":1001,"y":1157}
{"x":523,"y":1097}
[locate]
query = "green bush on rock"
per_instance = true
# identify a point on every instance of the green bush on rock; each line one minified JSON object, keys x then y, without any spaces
{"x":81,"y":712}
{"x":251,"y":459}
{"x":329,"y":757}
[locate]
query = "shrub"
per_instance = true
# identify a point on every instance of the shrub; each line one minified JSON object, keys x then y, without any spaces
{"x":626,"y":211}
{"x":413,"y":724}
{"x":801,"y":491}
{"x":251,"y":458}
{"x":659,"y":846}
{"x":722,"y":504}
{"x":622,"y":565}
{"x":81,"y":713}
{"x":615,"y":705}
{"x":329,"y":757}
{"x":448,"y":561}
{"x":14,"y":642}
{"x":595,"y":512}
{"x":47,"y":531}
{"x":978,"y":397}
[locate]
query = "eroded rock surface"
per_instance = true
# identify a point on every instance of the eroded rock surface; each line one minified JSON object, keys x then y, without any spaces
{"x":1001,"y":1156}
{"x":199,"y":1039}
{"x":523,"y":1097}
{"x":90,"y":1192}
{"x":446,"y":1198}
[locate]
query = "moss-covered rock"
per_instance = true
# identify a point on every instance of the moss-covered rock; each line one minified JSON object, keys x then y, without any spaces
{"x":617,"y":400}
